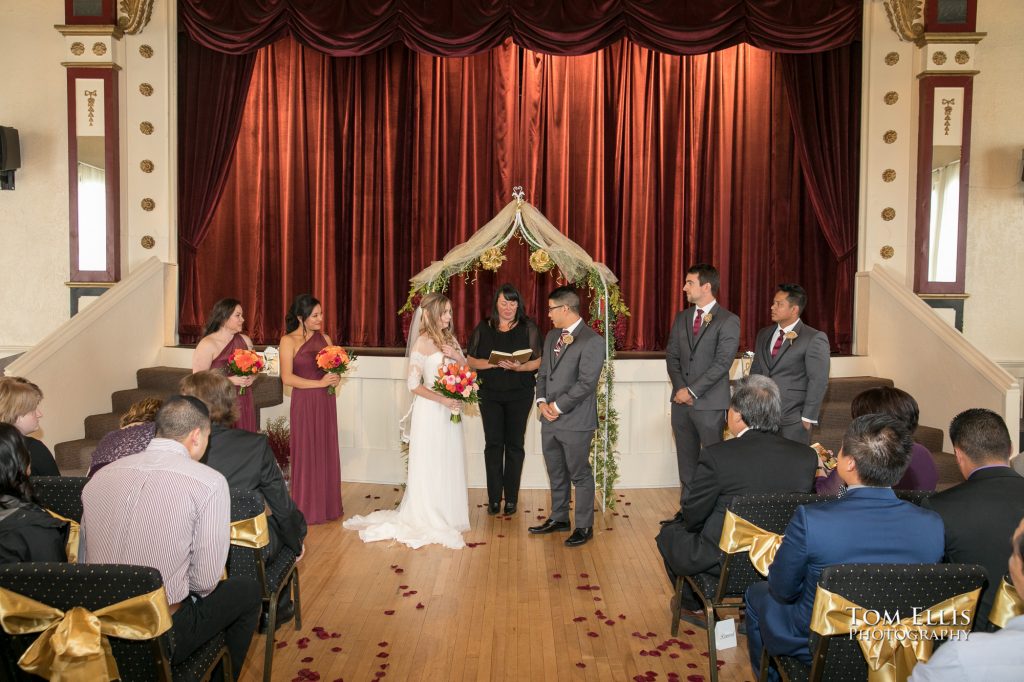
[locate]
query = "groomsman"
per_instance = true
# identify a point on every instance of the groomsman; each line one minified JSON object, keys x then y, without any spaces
{"x":699,"y":354}
{"x":796,"y":357}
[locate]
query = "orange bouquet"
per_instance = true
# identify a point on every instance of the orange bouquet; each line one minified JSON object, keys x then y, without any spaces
{"x":458,"y":382}
{"x":334,"y":360}
{"x":244,"y":363}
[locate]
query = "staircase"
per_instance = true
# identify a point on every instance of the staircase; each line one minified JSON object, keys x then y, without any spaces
{"x":835,"y":418}
{"x":73,"y":457}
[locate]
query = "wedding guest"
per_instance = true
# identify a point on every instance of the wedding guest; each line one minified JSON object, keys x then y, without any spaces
{"x":19,"y":406}
{"x":27,"y":532}
{"x":921,"y":474}
{"x":506,"y":392}
{"x":137,"y":429}
{"x":796,"y":357}
{"x":162,"y":508}
{"x":699,"y":354}
{"x":316,"y":469}
{"x":223,"y":336}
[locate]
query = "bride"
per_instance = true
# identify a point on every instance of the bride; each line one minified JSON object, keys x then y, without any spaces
{"x":435,"y":508}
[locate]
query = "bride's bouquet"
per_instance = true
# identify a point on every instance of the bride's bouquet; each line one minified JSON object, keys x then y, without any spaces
{"x":334,"y":360}
{"x":458,"y":382}
{"x":244,"y":363}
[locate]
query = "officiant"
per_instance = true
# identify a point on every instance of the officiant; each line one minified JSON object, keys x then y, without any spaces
{"x":505,"y":349}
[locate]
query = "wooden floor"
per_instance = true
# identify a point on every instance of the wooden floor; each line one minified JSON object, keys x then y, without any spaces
{"x":512,"y":607}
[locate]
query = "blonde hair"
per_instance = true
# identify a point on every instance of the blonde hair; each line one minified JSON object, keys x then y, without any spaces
{"x":433,"y":306}
{"x":142,"y":411}
{"x":214,"y":389}
{"x":18,"y":397}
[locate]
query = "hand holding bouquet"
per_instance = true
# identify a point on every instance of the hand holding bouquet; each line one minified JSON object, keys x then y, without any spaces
{"x":244,"y":363}
{"x":334,"y":360}
{"x":457,"y":382}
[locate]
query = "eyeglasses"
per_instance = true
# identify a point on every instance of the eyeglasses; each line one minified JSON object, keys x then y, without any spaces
{"x":555,"y":307}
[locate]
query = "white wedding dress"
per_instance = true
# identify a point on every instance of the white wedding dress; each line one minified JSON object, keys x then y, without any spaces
{"x":435,"y":508}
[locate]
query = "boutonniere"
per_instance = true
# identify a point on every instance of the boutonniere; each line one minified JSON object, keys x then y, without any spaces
{"x":708,"y":317}
{"x":791,"y":336}
{"x":567,"y":339}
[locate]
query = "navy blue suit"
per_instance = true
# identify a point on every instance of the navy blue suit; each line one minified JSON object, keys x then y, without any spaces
{"x":867,"y":525}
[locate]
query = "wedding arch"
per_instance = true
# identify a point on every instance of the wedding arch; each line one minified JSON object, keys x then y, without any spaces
{"x":549,"y":249}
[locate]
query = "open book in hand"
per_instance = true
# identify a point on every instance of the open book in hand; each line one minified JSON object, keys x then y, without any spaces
{"x":498,"y":356}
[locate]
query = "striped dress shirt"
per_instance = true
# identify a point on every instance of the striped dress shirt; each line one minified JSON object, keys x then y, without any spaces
{"x":160,"y":508}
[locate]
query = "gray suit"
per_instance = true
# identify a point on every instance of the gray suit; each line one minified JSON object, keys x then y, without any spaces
{"x":570,"y":382}
{"x":702,"y":365}
{"x":801,"y":371}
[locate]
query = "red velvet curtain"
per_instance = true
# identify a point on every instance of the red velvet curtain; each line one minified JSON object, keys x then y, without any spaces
{"x":352,"y":173}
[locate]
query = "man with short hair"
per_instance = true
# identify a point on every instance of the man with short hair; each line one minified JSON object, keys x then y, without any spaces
{"x":699,"y":354}
{"x":757,"y":460}
{"x":869,"y":524}
{"x":980,"y":513}
{"x":162,"y":508}
{"x":997,"y":657}
{"x":567,"y":402}
{"x":796,"y":357}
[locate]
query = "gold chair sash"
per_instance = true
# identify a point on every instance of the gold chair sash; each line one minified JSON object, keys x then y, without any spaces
{"x":73,"y":646}
{"x":740,"y":535}
{"x":74,"y":533}
{"x":892,"y":649}
{"x":253,"y":532}
{"x":1006,"y":605}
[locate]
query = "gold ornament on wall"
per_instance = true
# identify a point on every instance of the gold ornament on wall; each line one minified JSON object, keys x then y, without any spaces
{"x":146,"y":127}
{"x":888,"y":213}
{"x":889,"y":137}
{"x":892,"y":97}
{"x":145,"y":89}
{"x":962,"y":57}
{"x":887,"y":252}
{"x":146,"y":165}
{"x":892,"y":59}
{"x":905,"y":18}
{"x":148,"y":242}
{"x":99,"y":49}
{"x":146,"y":51}
{"x":148,"y":204}
{"x":888,"y":175}
{"x":939,"y":58}
{"x":135,"y":15}
{"x":77,"y":49}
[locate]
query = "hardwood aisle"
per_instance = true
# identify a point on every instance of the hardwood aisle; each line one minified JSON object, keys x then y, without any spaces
{"x":510,"y":607}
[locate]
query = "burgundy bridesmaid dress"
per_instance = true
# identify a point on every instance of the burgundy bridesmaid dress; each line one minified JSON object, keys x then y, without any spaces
{"x":246,"y":406}
{"x":316,"y":469}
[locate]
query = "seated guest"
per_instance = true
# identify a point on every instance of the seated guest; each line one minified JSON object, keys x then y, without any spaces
{"x":997,"y":657}
{"x":757,"y":460}
{"x":246,"y":459}
{"x":980,"y":513}
{"x":921,"y":474}
{"x":162,"y":508}
{"x":27,"y":533}
{"x":869,"y":524}
{"x":19,"y":406}
{"x":137,"y":429}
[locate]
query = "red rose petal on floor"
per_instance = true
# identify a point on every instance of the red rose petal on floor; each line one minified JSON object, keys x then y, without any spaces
{"x":281,"y":645}
{"x":383,"y":654}
{"x":303,"y":640}
{"x":584,"y":575}
{"x":403,"y":587}
{"x":581,"y":664}
{"x":340,"y":679}
{"x":652,"y":634}
{"x":376,"y":497}
{"x":609,"y":622}
{"x":695,"y":678}
{"x":382,"y":644}
{"x":540,"y":508}
{"x":662,"y":647}
{"x":684,"y":646}
{"x":368,"y":497}
{"x":335,"y":635}
{"x":609,"y":528}
{"x":384,"y":666}
{"x":591,"y":633}
{"x":583,"y":587}
{"x":625,"y":516}
{"x":500,"y":535}
{"x":673,"y":655}
{"x":579,"y":619}
{"x":704,"y":654}
{"x":399,"y":570}
{"x":335,"y":649}
{"x":323,"y":635}
{"x":720,"y":663}
{"x":615,"y":513}
{"x":691,"y":665}
{"x":302,"y":646}
{"x":556,"y":575}
{"x":307,"y":659}
{"x":622,"y":616}
{"x":597,"y":599}
{"x":643,"y":653}
{"x":689,"y":632}
{"x":420,"y":606}
{"x":540,"y":517}
{"x":628,"y":503}
{"x":317,"y":629}
{"x":389,"y":612}
{"x":651,"y":673}
{"x":654,"y":653}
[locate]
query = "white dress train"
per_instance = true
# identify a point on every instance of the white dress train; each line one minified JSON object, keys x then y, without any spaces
{"x":435,"y":508}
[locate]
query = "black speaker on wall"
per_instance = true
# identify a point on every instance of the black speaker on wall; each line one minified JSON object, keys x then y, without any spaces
{"x":10,"y":156}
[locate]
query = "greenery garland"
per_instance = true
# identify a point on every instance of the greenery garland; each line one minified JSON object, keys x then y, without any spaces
{"x":606,"y":468}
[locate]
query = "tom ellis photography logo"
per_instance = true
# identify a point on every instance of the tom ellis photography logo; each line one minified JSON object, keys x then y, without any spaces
{"x":919,"y":624}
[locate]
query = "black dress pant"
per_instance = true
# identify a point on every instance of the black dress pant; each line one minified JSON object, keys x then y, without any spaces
{"x":504,"y":434}
{"x":233,"y":608}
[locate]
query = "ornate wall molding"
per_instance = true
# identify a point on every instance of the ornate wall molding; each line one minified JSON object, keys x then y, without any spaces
{"x":134,"y":15}
{"x":906,"y":17}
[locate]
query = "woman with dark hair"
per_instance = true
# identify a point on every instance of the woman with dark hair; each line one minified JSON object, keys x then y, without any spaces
{"x":506,"y":392}
{"x":27,"y":533}
{"x":921,"y":473}
{"x":316,"y":470}
{"x":137,"y":430}
{"x":223,"y":336}
{"x":19,"y":406}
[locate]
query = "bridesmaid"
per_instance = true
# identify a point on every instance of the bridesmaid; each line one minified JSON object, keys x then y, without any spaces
{"x":316,"y":470}
{"x":222,"y":336}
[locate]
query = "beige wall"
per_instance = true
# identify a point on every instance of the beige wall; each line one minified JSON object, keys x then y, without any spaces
{"x":34,"y":217}
{"x":994,"y":315}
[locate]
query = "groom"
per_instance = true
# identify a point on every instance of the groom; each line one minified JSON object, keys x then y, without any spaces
{"x":567,"y":401}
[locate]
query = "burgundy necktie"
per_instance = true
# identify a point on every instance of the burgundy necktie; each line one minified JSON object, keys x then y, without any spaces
{"x":559,"y":345}
{"x":698,"y":317}
{"x":778,"y":342}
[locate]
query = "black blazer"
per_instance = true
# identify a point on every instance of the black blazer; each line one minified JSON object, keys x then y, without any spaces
{"x":756,"y":462}
{"x":43,"y":463}
{"x":247,"y":461}
{"x":980,"y":516}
